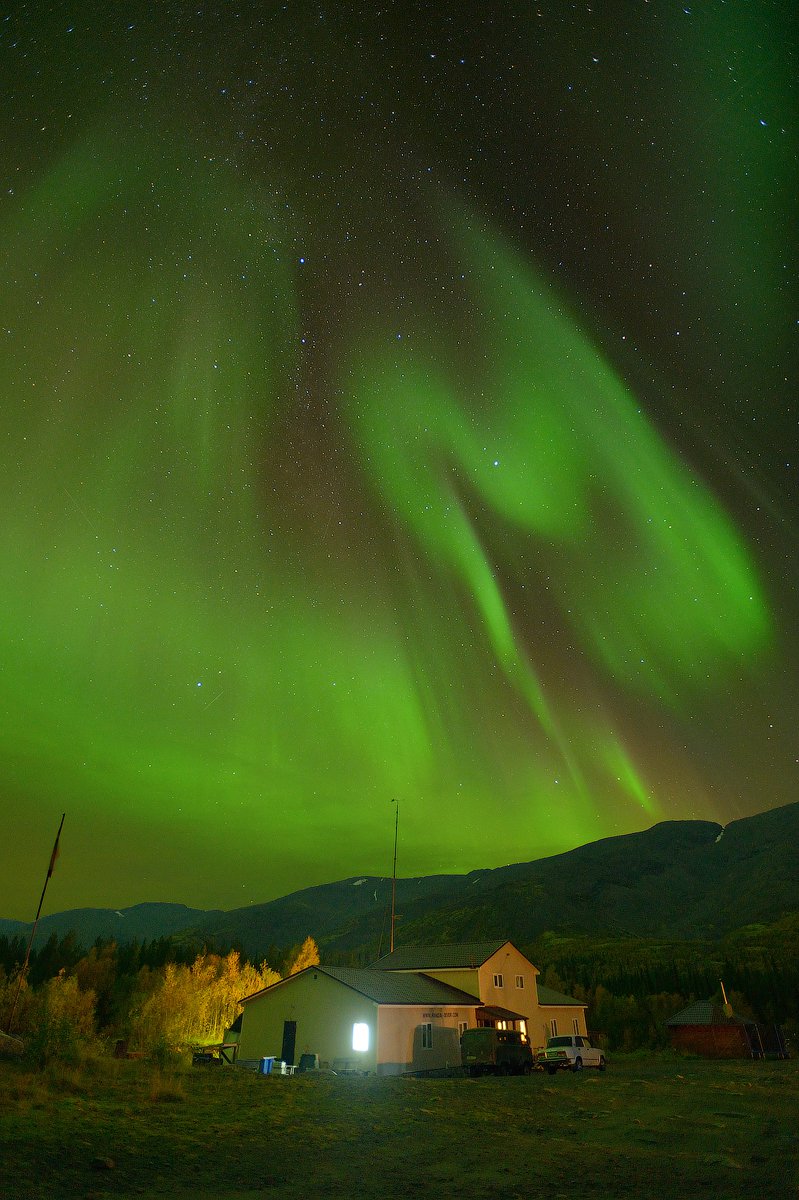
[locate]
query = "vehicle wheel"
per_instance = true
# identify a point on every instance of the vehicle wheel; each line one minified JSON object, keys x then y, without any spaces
{"x":552,"y":1070}
{"x":602,"y":1063}
{"x":578,"y":1064}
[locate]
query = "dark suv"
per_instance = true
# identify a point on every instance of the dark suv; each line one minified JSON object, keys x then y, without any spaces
{"x":496,"y":1051}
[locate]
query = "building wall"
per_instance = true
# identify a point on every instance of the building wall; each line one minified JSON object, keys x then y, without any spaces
{"x":325,"y":1011}
{"x":563,"y":1015}
{"x":464,"y":978}
{"x":508,"y":962}
{"x":402,"y":1046}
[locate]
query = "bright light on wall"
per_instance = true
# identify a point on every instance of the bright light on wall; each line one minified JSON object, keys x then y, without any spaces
{"x":360,"y":1037}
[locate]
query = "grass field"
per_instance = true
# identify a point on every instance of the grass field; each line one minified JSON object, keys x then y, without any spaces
{"x":654,"y":1128}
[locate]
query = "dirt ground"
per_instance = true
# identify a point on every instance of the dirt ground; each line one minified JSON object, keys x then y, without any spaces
{"x":655,"y":1128}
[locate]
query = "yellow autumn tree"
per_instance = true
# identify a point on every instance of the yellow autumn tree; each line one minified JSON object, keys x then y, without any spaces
{"x":195,"y":1005}
{"x":306,"y":956}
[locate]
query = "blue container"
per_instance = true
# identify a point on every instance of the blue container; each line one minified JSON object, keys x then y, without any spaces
{"x":266,"y":1065}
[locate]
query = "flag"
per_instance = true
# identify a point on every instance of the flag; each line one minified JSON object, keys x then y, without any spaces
{"x":54,"y":855}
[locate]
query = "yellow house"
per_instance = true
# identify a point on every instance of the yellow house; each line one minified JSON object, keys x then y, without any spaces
{"x":557,"y":1014}
{"x":358,"y":1020}
{"x":505,"y":981}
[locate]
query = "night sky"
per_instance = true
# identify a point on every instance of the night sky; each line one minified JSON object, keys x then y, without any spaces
{"x":397,"y":401}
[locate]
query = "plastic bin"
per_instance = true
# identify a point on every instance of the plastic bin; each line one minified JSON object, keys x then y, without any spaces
{"x":266,"y":1065}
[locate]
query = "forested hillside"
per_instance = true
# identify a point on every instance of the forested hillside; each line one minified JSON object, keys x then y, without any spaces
{"x":169,"y":994}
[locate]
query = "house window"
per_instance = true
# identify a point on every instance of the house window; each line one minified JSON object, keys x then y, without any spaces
{"x":499,"y":981}
{"x":360,"y":1036}
{"x":462,"y":1027}
{"x":553,"y":1025}
{"x":427,"y":1037}
{"x":575,"y":1025}
{"x":520,"y":981}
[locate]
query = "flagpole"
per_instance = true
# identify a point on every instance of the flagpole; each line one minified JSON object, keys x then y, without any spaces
{"x":394,"y":878}
{"x":22,"y":973}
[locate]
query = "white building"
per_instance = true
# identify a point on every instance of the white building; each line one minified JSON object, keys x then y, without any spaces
{"x":406,"y":1012}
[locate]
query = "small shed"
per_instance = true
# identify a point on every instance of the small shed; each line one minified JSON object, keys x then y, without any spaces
{"x":705,"y":1028}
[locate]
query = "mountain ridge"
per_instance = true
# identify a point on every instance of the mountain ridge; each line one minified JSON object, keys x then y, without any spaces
{"x":684,"y":879}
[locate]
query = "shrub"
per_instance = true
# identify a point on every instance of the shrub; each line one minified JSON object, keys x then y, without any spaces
{"x":62,"y":1025}
{"x":162,"y":1054}
{"x":52,"y":1038}
{"x":166,"y":1091}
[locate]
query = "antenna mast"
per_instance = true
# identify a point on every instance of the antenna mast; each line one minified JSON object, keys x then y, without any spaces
{"x":394,"y":878}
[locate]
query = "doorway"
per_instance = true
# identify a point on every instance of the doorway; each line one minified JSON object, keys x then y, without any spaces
{"x":289,"y":1041}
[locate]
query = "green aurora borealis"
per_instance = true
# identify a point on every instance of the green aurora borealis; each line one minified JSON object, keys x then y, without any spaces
{"x":335,"y":471}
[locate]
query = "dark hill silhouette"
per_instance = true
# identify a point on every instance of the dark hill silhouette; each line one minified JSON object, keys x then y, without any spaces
{"x":139,"y":923}
{"x":679,"y":879}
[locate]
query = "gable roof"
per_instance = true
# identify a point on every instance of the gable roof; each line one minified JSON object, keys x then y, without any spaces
{"x":385,"y":987}
{"x":549,"y":997}
{"x":704,"y":1012}
{"x":439,"y":958}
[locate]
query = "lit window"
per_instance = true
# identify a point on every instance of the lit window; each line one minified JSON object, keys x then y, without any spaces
{"x":499,"y":981}
{"x":360,"y":1036}
{"x":520,"y":981}
{"x":554,"y":1027}
{"x":427,"y":1037}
